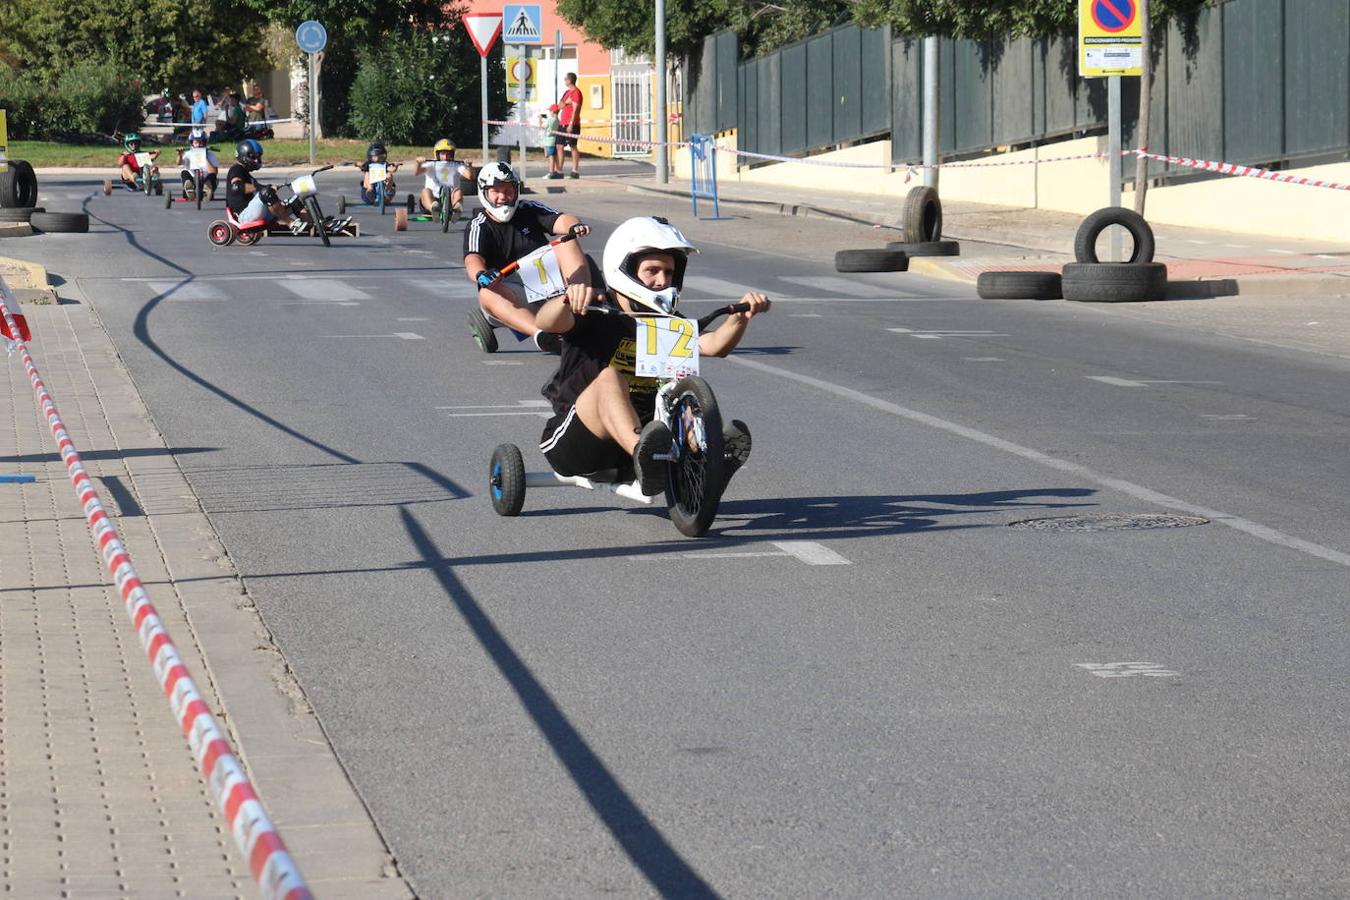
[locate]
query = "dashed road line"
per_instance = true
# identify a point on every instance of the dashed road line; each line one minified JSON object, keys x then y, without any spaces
{"x":187,"y":291}
{"x":401,"y":335}
{"x":1137,"y":491}
{"x":322,"y":289}
{"x":837,"y":285}
{"x":1128,"y":670}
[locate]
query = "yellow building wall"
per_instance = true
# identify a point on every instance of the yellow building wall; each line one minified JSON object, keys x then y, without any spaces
{"x":595,"y":119}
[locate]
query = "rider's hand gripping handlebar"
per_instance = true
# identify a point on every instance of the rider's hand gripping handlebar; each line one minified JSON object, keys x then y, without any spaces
{"x":488,"y":277}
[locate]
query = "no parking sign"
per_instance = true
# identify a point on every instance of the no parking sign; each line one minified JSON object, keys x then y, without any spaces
{"x":1110,"y":38}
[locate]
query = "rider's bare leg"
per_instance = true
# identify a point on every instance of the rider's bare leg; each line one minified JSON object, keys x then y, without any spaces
{"x":428,"y":198}
{"x":502,"y":303}
{"x":605,"y":409}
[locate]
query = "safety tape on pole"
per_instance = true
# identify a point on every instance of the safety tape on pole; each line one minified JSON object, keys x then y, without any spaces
{"x":1223,"y":168}
{"x":257,"y":838}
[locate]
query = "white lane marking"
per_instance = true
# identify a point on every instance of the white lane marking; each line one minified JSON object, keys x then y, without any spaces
{"x":321,"y":303}
{"x":1236,"y":246}
{"x":1139,"y":492}
{"x":1326,"y":256}
{"x":811,"y":553}
{"x":401,"y":335}
{"x":1225,"y":417}
{"x":837,"y":285}
{"x":828,"y":300}
{"x":933,"y":334}
{"x":446,"y":287}
{"x":1194,"y":241}
{"x":1118,"y":382}
{"x":502,"y":362}
{"x":805,"y":316}
{"x":412,"y":319}
{"x":983,"y":358}
{"x":517,"y":405}
{"x":186,"y":291}
{"x":517,"y":412}
{"x":1142,"y":382}
{"x":1285,"y":252}
{"x":1128,"y":669}
{"x":322,"y":289}
{"x":723,"y":290}
{"x":257,"y":253}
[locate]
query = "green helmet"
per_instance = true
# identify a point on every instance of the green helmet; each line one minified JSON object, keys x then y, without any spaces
{"x":131,"y":137}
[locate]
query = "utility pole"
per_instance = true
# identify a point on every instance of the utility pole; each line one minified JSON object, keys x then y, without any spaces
{"x":931,"y":117}
{"x":659,"y":115}
{"x":1141,"y":136}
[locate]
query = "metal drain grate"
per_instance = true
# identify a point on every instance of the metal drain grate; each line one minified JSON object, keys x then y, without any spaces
{"x":1109,"y":522}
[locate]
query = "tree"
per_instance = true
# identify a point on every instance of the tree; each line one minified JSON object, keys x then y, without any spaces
{"x":167,"y":44}
{"x":981,"y":18}
{"x":414,"y":88}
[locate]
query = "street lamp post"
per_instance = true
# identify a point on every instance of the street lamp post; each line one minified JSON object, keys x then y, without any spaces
{"x":658,"y":131}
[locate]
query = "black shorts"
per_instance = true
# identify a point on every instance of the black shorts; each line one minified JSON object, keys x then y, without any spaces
{"x":569,"y":139}
{"x":571,"y":448}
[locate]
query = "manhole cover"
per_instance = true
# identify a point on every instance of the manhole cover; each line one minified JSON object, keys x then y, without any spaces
{"x":1109,"y":522}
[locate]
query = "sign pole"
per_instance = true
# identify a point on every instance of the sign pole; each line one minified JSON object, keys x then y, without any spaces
{"x":520,"y":105}
{"x":483,"y":83}
{"x":313,"y":114}
{"x":1113,"y":154}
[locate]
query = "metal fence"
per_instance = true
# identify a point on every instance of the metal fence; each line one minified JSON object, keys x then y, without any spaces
{"x":1249,"y":81}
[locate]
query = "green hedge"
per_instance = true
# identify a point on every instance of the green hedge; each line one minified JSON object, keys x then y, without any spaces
{"x":87,"y":97}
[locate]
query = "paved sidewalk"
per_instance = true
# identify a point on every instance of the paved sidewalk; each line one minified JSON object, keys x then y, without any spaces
{"x":99,"y":793}
{"x":1020,"y":238}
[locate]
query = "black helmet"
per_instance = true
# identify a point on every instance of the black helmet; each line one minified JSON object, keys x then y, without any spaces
{"x":377,"y":152}
{"x":249,"y":153}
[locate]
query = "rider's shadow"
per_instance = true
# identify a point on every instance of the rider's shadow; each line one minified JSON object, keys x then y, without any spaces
{"x":881,"y":514}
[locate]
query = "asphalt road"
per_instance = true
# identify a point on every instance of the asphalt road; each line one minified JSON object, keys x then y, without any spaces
{"x":863,"y":682}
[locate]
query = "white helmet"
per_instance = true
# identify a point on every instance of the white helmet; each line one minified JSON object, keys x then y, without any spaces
{"x":636,"y":238}
{"x":497,"y":173}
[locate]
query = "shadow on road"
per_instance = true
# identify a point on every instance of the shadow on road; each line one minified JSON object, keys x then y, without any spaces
{"x":641,"y":840}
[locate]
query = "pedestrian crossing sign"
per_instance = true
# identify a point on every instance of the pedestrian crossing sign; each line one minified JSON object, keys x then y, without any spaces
{"x":522,"y":24}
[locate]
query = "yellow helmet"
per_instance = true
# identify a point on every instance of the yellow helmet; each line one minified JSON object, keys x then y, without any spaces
{"x":444,"y":144}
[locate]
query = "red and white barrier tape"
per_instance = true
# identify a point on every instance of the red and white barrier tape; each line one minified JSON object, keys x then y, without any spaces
{"x":254,"y":834}
{"x":1224,"y":168}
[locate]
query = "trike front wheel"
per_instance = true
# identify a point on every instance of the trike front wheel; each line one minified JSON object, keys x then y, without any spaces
{"x":695,"y":479}
{"x":506,"y":480}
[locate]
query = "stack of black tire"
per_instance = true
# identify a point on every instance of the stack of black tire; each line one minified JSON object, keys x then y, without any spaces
{"x":18,"y":202}
{"x":1089,"y":279}
{"x":921,"y":232}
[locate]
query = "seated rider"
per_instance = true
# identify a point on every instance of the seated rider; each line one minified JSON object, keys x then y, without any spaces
{"x":377,"y":153}
{"x":505,"y":229}
{"x":431,"y":191}
{"x":197,"y":141}
{"x":604,"y":416}
{"x":128,"y":164}
{"x":250,"y":201}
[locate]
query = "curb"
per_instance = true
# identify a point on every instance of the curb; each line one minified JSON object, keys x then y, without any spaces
{"x":15,"y":229}
{"x":27,"y":280}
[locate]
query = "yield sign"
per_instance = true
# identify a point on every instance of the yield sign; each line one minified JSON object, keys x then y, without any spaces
{"x":484,"y":29}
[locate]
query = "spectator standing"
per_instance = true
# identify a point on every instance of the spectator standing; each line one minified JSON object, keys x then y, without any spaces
{"x":549,"y":124}
{"x":569,"y":117}
{"x":199,"y":107}
{"x":234,"y":116}
{"x":257,"y":105}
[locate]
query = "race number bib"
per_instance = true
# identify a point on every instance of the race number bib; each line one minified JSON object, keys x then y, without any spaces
{"x":196,"y":159}
{"x":142,"y":160}
{"x":444,"y":173}
{"x":541,"y":276}
{"x":378,"y":172}
{"x":666,"y":348}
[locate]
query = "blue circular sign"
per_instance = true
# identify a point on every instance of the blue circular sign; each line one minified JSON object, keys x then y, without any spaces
{"x":1114,"y":15}
{"x":311,"y":37}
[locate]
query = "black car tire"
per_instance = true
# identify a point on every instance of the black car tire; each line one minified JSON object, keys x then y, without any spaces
{"x":1085,"y":241}
{"x":1114,"y":282}
{"x":870,"y":261}
{"x":1019,"y":286}
{"x":72,"y":223}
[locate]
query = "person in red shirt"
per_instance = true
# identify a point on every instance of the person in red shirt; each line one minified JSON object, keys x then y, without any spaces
{"x":569,"y":120}
{"x":127,"y":162}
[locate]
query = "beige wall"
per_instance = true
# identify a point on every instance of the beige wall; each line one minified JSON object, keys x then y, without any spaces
{"x":1247,"y":205}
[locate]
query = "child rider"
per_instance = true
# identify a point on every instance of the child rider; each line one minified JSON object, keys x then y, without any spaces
{"x":197,"y":141}
{"x":604,"y":416}
{"x":377,"y":153}
{"x":128,"y":164}
{"x":444,"y":152}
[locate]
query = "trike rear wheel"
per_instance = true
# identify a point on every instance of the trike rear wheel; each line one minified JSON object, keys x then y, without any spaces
{"x":695,"y":482}
{"x":506,"y":480}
